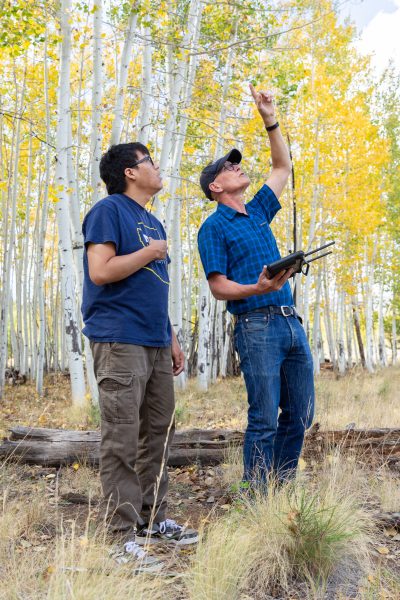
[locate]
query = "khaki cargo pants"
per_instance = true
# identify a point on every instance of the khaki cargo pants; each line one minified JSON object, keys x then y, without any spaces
{"x":136,"y":396}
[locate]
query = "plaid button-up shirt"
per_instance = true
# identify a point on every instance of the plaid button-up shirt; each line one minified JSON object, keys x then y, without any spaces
{"x":239,"y":245}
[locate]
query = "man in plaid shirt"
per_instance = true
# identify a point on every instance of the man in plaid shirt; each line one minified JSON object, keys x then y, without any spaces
{"x":235,"y":244}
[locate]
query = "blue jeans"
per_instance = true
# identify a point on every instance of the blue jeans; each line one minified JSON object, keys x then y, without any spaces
{"x":277,"y":365}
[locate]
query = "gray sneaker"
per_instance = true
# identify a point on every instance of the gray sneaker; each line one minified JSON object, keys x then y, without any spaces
{"x":131,"y":552}
{"x":167,"y":531}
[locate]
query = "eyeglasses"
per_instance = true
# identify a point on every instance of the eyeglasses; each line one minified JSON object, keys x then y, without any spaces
{"x":147,"y":157}
{"x":228,"y":166}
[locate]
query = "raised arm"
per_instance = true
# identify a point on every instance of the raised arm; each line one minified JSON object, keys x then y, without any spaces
{"x":281,"y":163}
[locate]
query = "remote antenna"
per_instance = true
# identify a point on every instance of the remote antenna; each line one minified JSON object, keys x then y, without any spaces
{"x":318,"y":249}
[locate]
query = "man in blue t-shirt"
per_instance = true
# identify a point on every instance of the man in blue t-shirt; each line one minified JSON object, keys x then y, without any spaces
{"x":235,"y":244}
{"x":135,"y":350}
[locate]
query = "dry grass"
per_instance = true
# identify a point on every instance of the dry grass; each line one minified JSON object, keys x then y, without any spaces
{"x":311,"y":536}
{"x":386,"y":487}
{"x":367,"y":400}
{"x":305,"y":541}
{"x":44,"y":554}
{"x":299,"y":536}
{"x":359,"y":397}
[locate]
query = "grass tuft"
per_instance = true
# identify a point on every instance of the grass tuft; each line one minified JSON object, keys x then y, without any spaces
{"x":297,"y":535}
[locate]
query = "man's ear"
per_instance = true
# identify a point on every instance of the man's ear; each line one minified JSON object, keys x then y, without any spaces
{"x":214,"y":186}
{"x":130,"y":174}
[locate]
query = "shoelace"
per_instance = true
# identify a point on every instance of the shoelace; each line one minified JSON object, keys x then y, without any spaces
{"x":134,"y":548}
{"x":163,"y":525}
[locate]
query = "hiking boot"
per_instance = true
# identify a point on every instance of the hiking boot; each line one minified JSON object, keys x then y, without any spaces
{"x":167,"y":531}
{"x":131,"y":552}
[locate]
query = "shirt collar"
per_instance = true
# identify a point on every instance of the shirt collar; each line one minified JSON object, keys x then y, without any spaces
{"x":228,"y":212}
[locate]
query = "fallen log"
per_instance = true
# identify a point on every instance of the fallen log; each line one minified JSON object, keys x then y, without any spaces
{"x":54,"y":447}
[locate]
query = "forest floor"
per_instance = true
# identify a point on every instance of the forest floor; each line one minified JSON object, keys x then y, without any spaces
{"x":52,"y":546}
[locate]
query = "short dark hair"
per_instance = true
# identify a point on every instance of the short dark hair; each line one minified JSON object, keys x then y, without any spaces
{"x":114,"y":162}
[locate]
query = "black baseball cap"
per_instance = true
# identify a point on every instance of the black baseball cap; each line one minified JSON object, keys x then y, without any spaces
{"x":210,"y":172}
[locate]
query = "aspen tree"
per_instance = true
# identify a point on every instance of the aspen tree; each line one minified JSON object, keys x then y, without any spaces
{"x":144,"y":119}
{"x":42,"y":231}
{"x":123,"y":76}
{"x":70,"y":332}
{"x":176,"y":76}
{"x":9,"y":240}
{"x":97,"y":94}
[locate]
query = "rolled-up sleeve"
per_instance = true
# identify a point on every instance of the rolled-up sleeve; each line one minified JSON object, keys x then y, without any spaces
{"x":212,"y":250}
{"x":265,"y":202}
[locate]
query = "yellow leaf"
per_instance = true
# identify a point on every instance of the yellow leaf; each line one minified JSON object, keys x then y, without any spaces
{"x":371,"y":578}
{"x":383,"y":550}
{"x":76,"y":466}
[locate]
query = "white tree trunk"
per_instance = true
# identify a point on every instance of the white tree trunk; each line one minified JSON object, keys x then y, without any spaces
{"x":74,"y":213}
{"x":123,"y":78}
{"x":144,"y":119}
{"x":189,"y":287}
{"x":340,"y":341}
{"x":42,"y":237}
{"x":369,"y":313}
{"x":349,"y":337}
{"x":381,"y":329}
{"x":177,"y":78}
{"x":218,"y":341}
{"x":317,"y":340}
{"x":9,"y":239}
{"x":203,"y":353}
{"x":394,"y":330}
{"x":328,"y":322}
{"x":97,"y":94}
{"x":77,"y":249}
{"x":174,"y":206}
{"x":18,"y":355}
{"x":71,"y":321}
{"x":311,"y":231}
{"x":216,"y":312}
{"x":40,"y":278}
{"x":175,"y":308}
{"x":13,"y":338}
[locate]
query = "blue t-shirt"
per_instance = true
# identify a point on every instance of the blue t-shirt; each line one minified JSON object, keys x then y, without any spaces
{"x":135,"y":309}
{"x":239,"y":245}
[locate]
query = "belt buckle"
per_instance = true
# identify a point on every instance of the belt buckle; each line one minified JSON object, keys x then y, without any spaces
{"x":290,"y":311}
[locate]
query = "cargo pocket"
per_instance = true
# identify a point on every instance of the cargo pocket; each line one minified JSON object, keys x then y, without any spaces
{"x":117,"y":395}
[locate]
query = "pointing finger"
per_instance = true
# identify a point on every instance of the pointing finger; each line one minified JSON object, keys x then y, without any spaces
{"x":253,"y":91}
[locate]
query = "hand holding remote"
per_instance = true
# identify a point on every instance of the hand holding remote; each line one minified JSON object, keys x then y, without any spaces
{"x":265,"y":284}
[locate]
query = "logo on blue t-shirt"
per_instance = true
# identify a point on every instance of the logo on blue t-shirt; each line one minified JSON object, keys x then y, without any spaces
{"x":145,"y":232}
